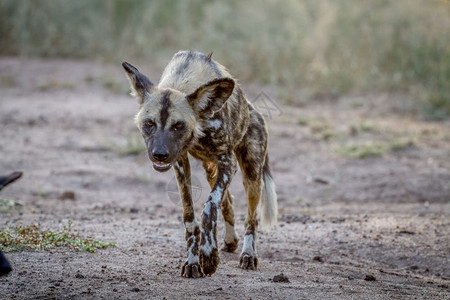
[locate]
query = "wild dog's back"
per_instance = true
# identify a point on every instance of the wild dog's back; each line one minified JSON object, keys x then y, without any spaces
{"x":189,"y":70}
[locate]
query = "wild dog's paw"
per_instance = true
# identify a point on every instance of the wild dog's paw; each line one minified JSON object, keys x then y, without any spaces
{"x":209,"y":260}
{"x":248,"y":262}
{"x":191,"y":271}
{"x":208,"y":253}
{"x":230,"y":246}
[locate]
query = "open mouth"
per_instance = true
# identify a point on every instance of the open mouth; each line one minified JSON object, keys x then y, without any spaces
{"x":161,"y":167}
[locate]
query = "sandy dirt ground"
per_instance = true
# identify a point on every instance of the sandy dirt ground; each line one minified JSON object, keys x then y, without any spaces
{"x":349,"y":228}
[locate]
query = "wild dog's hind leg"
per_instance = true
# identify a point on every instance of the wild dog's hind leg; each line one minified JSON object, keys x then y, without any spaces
{"x":191,"y":267}
{"x":231,"y":238}
{"x":251,"y":155}
{"x":248,"y":258}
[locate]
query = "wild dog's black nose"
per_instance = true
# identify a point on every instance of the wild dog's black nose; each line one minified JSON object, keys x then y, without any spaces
{"x":160,"y":154}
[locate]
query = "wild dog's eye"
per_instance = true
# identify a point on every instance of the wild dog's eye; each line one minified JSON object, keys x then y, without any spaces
{"x":178,"y":126}
{"x":150,"y":123}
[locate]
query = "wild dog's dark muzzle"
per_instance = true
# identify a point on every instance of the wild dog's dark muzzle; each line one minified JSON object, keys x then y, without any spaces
{"x":158,"y":157}
{"x":159,"y":154}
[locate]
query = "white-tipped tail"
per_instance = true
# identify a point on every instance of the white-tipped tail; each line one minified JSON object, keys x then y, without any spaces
{"x":269,"y":204}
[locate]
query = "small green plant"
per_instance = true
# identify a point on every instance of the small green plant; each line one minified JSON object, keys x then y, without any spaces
{"x":43,"y":194}
{"x":319,"y":127}
{"x":436,"y":104}
{"x":371,"y":149}
{"x":7,"y":81}
{"x":113,"y":85}
{"x":302,"y":122}
{"x":55,"y":85}
{"x":133,"y":146}
{"x":366,"y":126}
{"x":401,"y":143}
{"x":362,"y":150}
{"x":8,"y":204}
{"x":322,"y":130}
{"x":33,"y":237}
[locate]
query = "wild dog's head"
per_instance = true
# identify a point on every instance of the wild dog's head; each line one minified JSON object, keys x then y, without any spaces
{"x":169,"y":120}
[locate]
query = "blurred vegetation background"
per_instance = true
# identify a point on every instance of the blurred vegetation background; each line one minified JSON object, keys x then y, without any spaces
{"x":319,"y":49}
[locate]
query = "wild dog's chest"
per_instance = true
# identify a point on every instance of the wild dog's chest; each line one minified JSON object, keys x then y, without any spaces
{"x":215,"y":141}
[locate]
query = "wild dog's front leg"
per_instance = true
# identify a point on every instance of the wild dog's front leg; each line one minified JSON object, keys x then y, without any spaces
{"x":209,"y":255}
{"x":191,"y":267}
{"x":231,"y":239}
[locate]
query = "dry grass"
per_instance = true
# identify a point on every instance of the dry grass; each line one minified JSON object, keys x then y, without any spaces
{"x":33,"y":237}
{"x":317,"y":48}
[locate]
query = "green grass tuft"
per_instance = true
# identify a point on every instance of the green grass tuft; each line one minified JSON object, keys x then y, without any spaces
{"x":402,"y":143}
{"x":363,"y":150}
{"x":133,"y":146}
{"x":7,"y":81}
{"x":113,"y":85}
{"x":33,"y":237}
{"x":302,"y":122}
{"x":373,"y":149}
{"x":7,"y":205}
{"x":55,"y":85}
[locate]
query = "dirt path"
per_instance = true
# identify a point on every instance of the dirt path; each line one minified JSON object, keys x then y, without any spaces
{"x":356,"y":228}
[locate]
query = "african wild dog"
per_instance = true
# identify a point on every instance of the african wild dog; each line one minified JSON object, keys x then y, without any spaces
{"x":197,"y":108}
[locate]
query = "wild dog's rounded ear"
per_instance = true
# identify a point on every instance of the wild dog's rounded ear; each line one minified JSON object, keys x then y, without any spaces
{"x":139,"y":83}
{"x":210,"y":97}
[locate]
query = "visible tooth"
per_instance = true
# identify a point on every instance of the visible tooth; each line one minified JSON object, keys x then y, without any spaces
{"x":161,"y":164}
